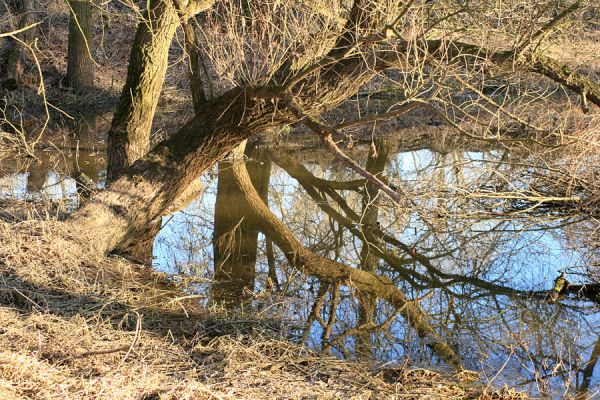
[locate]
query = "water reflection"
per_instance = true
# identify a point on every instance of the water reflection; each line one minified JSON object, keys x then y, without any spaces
{"x":478,"y":264}
{"x":65,"y":174}
{"x":480,"y":267}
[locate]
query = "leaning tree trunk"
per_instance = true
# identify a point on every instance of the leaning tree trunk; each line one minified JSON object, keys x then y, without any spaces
{"x":145,"y":190}
{"x":80,"y":64}
{"x":15,"y":64}
{"x":129,"y":134}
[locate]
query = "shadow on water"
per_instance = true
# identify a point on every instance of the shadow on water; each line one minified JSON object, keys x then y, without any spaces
{"x":481,"y":265}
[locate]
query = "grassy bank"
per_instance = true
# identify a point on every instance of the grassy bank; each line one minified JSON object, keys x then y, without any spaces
{"x":78,"y":325}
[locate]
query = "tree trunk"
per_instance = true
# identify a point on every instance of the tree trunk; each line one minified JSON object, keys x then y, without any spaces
{"x":144,"y":191}
{"x":129,"y":134}
{"x":200,"y":84}
{"x":80,"y":64}
{"x":15,"y":64}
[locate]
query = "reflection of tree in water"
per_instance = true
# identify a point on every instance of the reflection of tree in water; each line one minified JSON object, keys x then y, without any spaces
{"x":68,"y":173}
{"x":235,"y":234}
{"x":475,"y":266}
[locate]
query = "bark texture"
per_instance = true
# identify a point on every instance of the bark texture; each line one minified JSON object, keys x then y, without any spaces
{"x":129,"y":135}
{"x":80,"y":65}
{"x":145,"y":190}
{"x":16,"y":60}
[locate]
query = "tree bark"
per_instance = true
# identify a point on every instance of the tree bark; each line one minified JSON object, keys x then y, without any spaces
{"x":145,"y":190}
{"x":15,"y":64}
{"x":129,"y":134}
{"x":80,"y":65}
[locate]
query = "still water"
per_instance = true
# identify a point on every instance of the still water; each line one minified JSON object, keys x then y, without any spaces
{"x":467,"y":243}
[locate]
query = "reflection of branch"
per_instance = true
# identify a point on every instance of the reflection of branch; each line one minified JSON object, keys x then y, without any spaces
{"x":363,"y":329}
{"x":315,"y":314}
{"x":327,"y":270}
{"x":374,"y":236}
{"x":335,"y":292}
{"x":588,"y":372}
{"x":326,"y":133}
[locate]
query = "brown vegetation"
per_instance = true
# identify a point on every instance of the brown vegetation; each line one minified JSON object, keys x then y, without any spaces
{"x":264,"y":66}
{"x":79,"y":325}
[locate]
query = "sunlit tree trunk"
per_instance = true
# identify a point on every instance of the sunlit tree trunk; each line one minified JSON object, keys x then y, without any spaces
{"x":129,"y":134}
{"x":80,"y":65}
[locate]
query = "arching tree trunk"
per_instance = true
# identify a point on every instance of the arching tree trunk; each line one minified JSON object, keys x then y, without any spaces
{"x":15,"y":63}
{"x":80,"y":64}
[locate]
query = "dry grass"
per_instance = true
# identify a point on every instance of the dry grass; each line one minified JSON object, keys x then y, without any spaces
{"x":79,"y":325}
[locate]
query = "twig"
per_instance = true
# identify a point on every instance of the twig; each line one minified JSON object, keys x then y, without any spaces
{"x":138,"y":329}
{"x":326,"y":133}
{"x":403,"y":110}
{"x":12,"y":33}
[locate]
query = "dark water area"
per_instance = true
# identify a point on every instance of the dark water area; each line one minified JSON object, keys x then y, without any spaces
{"x":479,"y":264}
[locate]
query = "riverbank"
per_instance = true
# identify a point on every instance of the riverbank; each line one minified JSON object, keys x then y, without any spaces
{"x":80,"y":325}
